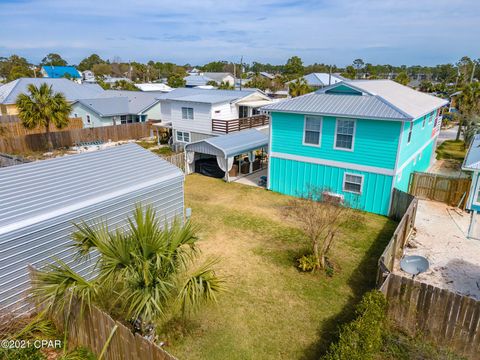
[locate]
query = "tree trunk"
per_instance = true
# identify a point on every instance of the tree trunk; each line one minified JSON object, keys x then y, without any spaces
{"x":49,"y":137}
{"x":316,"y":254}
{"x":459,"y":131}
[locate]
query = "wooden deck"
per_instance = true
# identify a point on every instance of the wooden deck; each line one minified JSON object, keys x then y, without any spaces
{"x":228,"y":126}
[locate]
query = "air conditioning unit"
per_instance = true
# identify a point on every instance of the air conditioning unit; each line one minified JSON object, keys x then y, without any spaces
{"x":332,"y":198}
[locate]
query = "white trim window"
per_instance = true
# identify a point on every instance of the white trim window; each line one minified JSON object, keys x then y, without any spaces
{"x":410,"y":132}
{"x":89,"y":120}
{"x":312,"y":130}
{"x":353,"y":183}
{"x":344,"y":134}
{"x":183,"y":136}
{"x":187,"y":113}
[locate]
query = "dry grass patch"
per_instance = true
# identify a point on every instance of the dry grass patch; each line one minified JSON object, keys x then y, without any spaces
{"x":272,"y":311}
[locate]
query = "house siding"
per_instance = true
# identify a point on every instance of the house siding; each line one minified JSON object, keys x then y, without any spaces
{"x":375,"y":142}
{"x":96,"y":120}
{"x":297,"y":178}
{"x":421,"y":162}
{"x":202,"y":120}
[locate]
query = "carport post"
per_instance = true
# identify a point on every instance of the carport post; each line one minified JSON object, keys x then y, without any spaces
{"x":226,"y":172}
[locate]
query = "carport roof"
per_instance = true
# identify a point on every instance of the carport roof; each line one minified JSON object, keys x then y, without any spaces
{"x":231,"y":144}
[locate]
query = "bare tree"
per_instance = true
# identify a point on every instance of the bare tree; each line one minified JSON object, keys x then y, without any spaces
{"x":320,"y":216}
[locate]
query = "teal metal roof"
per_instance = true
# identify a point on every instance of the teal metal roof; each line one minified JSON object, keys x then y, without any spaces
{"x":61,"y":71}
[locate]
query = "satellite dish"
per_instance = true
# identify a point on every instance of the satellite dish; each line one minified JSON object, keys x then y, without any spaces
{"x":414,"y":264}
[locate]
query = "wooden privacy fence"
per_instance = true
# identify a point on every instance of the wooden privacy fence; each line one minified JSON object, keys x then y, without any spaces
{"x":8,"y":118}
{"x":61,"y":139}
{"x":178,"y":160}
{"x":440,"y":315}
{"x":15,"y":128}
{"x":92,"y":329}
{"x":398,"y":241}
{"x":450,"y":190}
{"x":400,"y":203}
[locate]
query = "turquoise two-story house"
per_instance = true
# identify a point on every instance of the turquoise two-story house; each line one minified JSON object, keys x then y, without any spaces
{"x":357,"y":140}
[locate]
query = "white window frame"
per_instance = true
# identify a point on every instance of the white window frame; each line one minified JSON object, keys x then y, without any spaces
{"x":182,"y":138}
{"x":361,"y":184}
{"x":187,"y":109}
{"x":410,"y":134}
{"x":88,"y":118}
{"x":353,"y":135}
{"x":305,"y":131}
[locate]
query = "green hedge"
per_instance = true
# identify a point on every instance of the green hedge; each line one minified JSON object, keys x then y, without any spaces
{"x":361,"y":339}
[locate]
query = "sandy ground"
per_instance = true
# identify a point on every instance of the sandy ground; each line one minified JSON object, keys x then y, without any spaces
{"x":447,"y":167}
{"x":441,"y":237}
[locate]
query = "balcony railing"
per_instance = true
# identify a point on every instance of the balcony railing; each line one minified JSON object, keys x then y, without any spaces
{"x":228,"y":126}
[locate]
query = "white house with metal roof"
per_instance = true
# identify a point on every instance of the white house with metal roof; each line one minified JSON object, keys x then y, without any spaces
{"x":320,"y":80}
{"x":196,"y":114}
{"x":72,"y":91}
{"x":41,"y":202}
{"x":203,"y":78}
{"x":116,"y":107}
{"x":358,"y":140}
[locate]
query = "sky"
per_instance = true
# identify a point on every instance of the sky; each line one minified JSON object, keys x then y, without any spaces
{"x":424,"y":32}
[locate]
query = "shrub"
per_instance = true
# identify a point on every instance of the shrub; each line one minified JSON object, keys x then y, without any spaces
{"x":307,"y":263}
{"x":361,"y":339}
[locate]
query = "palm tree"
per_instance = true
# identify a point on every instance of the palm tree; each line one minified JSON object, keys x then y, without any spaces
{"x":43,"y":107}
{"x":146,"y":273}
{"x":299,"y":87}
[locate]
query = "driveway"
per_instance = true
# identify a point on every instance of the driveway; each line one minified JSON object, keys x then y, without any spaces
{"x":448,"y":134}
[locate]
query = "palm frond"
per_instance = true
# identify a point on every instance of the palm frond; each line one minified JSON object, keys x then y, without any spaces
{"x":198,"y":287}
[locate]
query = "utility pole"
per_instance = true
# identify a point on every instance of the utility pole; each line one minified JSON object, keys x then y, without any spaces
{"x":330,"y":75}
{"x":241,"y":66}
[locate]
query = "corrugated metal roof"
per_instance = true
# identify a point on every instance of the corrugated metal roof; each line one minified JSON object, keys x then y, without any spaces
{"x":412,"y":102}
{"x":72,"y":91}
{"x":472,"y":160}
{"x":108,"y":106}
{"x":205,"y":95}
{"x":231,"y":144}
{"x":61,"y":71}
{"x":341,"y":105}
{"x":137,"y":100}
{"x":34,"y":192}
{"x":321,"y":79}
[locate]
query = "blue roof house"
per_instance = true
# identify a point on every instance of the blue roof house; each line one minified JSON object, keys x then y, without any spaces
{"x":358,"y":140}
{"x":56,"y":72}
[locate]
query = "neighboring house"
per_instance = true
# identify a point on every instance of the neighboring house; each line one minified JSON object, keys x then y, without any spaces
{"x":357,"y":139}
{"x":56,"y":72}
{"x":154,"y":87}
{"x":202,"y":79}
{"x":44,"y":199}
{"x":88,"y":76}
{"x":196,"y":114}
{"x":320,"y":80}
{"x":72,"y":91}
{"x":116,"y":107}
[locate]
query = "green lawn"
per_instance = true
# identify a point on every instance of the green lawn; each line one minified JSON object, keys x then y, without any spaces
{"x":271,"y":310}
{"x":452,"y":149}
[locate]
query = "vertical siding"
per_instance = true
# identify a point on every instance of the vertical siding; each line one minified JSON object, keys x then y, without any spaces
{"x":36,"y":244}
{"x":296,"y":178}
{"x":375,"y":142}
{"x":421,"y":162}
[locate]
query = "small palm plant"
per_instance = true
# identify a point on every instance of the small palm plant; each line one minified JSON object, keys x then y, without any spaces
{"x":146,"y":273}
{"x":299,"y":87}
{"x":42,"y":107}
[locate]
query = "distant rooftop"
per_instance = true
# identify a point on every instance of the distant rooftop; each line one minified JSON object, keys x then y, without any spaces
{"x":72,"y":91}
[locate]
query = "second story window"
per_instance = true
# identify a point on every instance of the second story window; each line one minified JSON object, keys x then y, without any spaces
{"x":312,"y":130}
{"x":187,"y":113}
{"x":410,"y":131}
{"x":344,"y":134}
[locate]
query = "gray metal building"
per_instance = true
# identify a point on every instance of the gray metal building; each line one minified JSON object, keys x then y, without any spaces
{"x":40,"y":202}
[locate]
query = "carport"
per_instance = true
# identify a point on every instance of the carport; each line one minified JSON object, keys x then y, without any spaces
{"x":228,"y":156}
